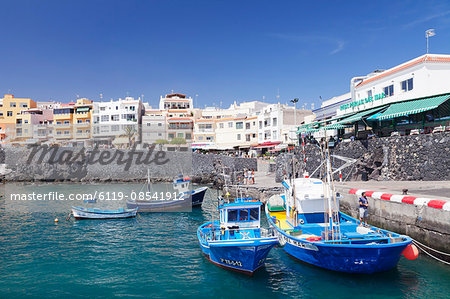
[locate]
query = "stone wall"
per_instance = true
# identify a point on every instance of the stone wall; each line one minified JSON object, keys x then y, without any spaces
{"x":76,"y":164}
{"x":421,"y":157}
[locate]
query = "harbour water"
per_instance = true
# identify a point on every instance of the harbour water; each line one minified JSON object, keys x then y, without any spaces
{"x":157,"y":255}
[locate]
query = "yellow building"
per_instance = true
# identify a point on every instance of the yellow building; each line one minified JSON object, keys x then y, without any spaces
{"x":10,"y":108}
{"x":72,"y":122}
{"x":63,"y":122}
{"x":82,"y":120}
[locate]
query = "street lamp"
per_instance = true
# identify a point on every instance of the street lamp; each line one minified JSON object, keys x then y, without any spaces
{"x":295,"y":115}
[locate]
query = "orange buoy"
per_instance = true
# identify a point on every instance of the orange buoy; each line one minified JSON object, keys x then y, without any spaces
{"x":411,"y":252}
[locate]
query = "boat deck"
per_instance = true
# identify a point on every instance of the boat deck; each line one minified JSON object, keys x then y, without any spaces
{"x":282,"y":222}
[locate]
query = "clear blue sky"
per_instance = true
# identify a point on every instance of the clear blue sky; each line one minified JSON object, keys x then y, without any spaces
{"x":220,"y":50}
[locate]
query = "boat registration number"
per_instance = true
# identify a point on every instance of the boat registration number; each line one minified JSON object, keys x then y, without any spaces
{"x":231,"y":263}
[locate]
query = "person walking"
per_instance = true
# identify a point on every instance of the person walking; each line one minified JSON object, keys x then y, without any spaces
{"x":363,"y":206}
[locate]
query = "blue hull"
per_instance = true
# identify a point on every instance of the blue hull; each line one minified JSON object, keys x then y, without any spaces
{"x":347,"y":258}
{"x":366,"y":257}
{"x":240,"y":255}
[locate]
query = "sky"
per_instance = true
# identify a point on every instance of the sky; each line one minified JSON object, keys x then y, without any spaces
{"x":215,"y":51}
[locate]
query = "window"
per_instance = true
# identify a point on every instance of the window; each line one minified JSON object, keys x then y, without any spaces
{"x":59,"y":122}
{"x":80,"y":121}
{"x":389,"y":90}
{"x":66,"y":132}
{"x":247,"y":126}
{"x":115,"y":128}
{"x":79,"y":131}
{"x":9,"y":113}
{"x":149,"y":124}
{"x":260,"y":124}
{"x":221,"y":125}
{"x":171,"y":135}
{"x":117,"y":107}
{"x":232,"y":215}
{"x":200,"y":137}
{"x":1,"y":114}
{"x":88,"y":120}
{"x":58,"y":132}
{"x":102,"y":108}
{"x":23,"y":105}
{"x":369,"y":93}
{"x":188,"y":136}
{"x":159,"y":124}
{"x":254,"y":214}
{"x":159,"y":134}
{"x":105,"y":118}
{"x":407,"y":85}
{"x":132,"y":108}
{"x":247,"y":137}
{"x":180,"y":135}
{"x":210,"y":138}
{"x":66,"y":122}
{"x":243,"y":215}
{"x":230,"y":124}
{"x":239,"y":125}
{"x":274,"y":135}
{"x":12,"y":104}
{"x":274,"y":121}
{"x":115,"y":117}
{"x":238,"y":136}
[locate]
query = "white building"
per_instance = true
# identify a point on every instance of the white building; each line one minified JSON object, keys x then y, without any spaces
{"x":425,"y":76}
{"x":115,"y":119}
{"x":277,"y":123}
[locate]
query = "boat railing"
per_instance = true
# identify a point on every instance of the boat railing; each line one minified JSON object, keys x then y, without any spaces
{"x":216,"y":233}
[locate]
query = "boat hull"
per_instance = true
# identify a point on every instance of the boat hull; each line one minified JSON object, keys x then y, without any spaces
{"x":350,"y":258}
{"x":245,"y":256}
{"x":184,"y":204}
{"x":83,"y":214}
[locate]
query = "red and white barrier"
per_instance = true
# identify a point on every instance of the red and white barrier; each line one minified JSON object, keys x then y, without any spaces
{"x":417,"y":201}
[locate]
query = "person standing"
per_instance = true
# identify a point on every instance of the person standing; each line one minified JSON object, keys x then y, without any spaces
{"x":245,"y":176}
{"x":253,"y":176}
{"x":363,"y":206}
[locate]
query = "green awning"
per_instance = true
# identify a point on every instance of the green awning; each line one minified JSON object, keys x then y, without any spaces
{"x":413,"y":107}
{"x":82,"y":109}
{"x":359,"y":116}
{"x":336,"y":126}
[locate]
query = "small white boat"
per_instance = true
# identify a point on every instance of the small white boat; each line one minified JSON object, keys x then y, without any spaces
{"x":88,"y":213}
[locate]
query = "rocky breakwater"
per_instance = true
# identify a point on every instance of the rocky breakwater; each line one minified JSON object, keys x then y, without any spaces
{"x":42,"y":163}
{"x":420,"y":157}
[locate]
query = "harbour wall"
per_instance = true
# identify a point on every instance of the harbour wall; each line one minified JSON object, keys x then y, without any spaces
{"x":62,"y":164}
{"x":413,"y":158}
{"x":428,"y":225}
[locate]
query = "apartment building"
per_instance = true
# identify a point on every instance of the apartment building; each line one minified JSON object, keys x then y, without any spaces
{"x":115,"y":122}
{"x":10,"y":108}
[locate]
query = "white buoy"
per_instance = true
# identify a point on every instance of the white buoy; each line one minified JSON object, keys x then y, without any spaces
{"x":56,"y":219}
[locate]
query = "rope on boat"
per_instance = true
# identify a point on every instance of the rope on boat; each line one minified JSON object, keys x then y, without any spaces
{"x":443,"y":253}
{"x":417,"y":243}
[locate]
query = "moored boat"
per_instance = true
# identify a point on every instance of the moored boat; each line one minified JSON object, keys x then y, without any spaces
{"x":237,"y":241}
{"x":311,"y":229}
{"x":183,"y":199}
{"x":89,"y":213}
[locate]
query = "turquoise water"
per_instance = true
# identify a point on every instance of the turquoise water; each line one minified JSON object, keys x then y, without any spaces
{"x":157,"y":255}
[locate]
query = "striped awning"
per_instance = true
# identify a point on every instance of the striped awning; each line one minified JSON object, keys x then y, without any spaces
{"x":413,"y":107}
{"x":359,"y":116}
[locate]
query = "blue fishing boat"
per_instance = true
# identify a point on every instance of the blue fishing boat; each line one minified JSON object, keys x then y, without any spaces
{"x":182,"y":199}
{"x":89,"y":213}
{"x":311,"y":229}
{"x":237,"y":241}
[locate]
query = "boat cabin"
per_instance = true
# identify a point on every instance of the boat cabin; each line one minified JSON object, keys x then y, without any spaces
{"x":243,"y":213}
{"x":181,"y":184}
{"x":305,"y":200}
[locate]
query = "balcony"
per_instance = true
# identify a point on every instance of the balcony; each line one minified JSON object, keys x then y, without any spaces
{"x":82,"y":125}
{"x":63,"y":125}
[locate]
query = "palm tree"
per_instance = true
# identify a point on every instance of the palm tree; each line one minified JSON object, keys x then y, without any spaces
{"x":130,"y":131}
